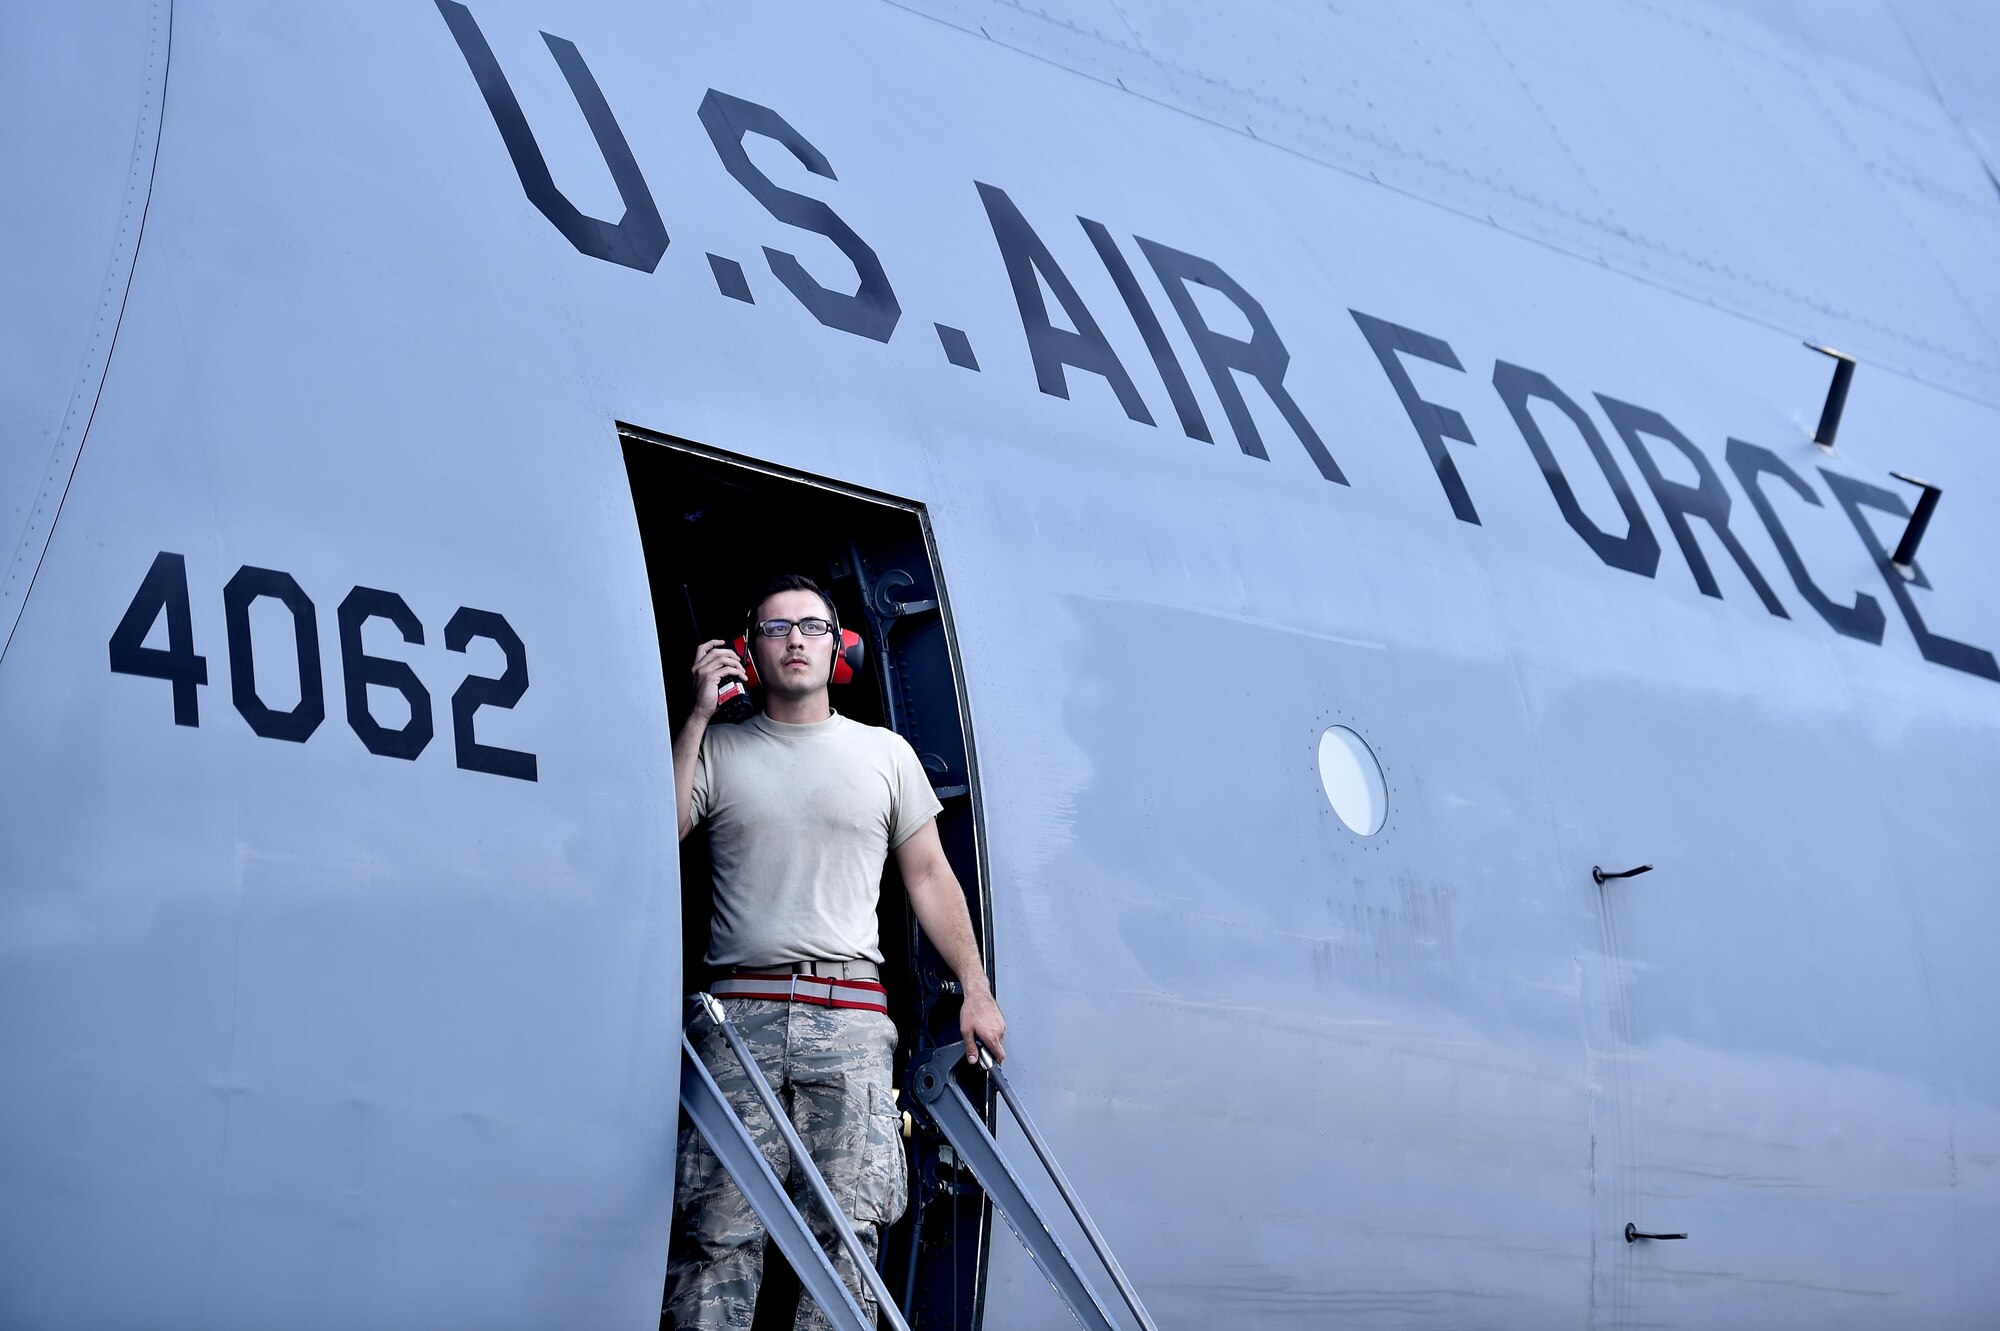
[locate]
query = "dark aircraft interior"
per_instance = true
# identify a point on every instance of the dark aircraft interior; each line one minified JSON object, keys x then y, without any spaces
{"x":875,"y":555}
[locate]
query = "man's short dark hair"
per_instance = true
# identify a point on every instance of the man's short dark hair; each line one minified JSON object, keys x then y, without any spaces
{"x":791,"y":582}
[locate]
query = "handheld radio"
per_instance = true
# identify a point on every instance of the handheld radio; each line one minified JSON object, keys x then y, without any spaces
{"x":732,"y":697}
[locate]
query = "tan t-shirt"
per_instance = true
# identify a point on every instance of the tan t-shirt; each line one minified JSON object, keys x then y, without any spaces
{"x":800,"y":820}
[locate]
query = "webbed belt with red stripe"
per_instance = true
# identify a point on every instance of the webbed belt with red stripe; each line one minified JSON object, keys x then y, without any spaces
{"x":815,"y":990}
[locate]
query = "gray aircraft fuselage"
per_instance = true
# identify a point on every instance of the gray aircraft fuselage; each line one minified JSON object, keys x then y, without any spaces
{"x":1432,"y":371}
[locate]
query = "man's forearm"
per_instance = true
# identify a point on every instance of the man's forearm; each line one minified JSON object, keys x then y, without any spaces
{"x":687,"y":752}
{"x":939,"y":903}
{"x":940,"y":906}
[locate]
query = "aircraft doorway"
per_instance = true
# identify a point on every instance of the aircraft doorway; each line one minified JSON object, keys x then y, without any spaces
{"x":715,"y":528}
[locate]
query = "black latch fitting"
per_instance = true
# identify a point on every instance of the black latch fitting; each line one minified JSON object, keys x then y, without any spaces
{"x":1905,"y":558}
{"x":1836,"y":394}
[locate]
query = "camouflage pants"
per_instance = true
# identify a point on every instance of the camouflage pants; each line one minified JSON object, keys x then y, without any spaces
{"x":831,"y":1068}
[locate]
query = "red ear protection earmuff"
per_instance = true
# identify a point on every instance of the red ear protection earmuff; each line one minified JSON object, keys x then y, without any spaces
{"x":847,"y":660}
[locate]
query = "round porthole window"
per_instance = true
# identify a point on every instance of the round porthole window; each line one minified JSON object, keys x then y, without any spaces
{"x":1352,"y":780}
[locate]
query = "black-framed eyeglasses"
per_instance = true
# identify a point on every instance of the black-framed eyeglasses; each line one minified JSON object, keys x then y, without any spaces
{"x":812,"y":627}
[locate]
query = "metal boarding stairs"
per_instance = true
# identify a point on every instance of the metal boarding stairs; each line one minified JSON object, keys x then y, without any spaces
{"x":940,"y":1095}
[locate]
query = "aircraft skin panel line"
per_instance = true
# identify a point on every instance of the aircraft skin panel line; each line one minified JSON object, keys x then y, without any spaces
{"x":1532,"y":130}
{"x":44,"y":506}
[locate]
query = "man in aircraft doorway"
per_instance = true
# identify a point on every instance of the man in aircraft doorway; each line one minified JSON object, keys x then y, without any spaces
{"x":804,"y":807}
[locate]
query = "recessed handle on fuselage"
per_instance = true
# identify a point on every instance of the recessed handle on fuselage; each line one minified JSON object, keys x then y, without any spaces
{"x":1632,"y":1234}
